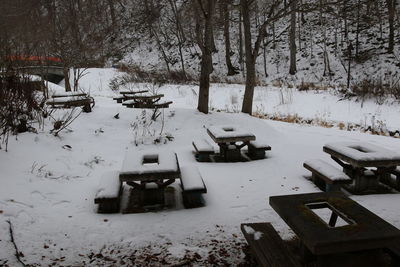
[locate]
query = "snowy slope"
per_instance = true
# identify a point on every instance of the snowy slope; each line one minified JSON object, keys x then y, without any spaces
{"x":47,"y":188}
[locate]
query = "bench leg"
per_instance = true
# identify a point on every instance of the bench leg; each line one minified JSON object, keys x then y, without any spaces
{"x":318,"y":182}
{"x":192,"y":200}
{"x":332,"y":187}
{"x":202,"y":157}
{"x":87,"y":108}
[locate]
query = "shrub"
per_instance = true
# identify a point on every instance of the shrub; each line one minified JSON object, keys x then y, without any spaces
{"x":20,"y":104}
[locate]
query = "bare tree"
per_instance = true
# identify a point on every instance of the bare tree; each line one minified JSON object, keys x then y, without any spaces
{"x":205,"y":9}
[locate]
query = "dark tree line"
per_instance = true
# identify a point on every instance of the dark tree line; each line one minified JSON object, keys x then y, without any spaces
{"x":85,"y":33}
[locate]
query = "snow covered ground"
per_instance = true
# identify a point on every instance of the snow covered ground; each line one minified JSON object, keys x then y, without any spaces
{"x":47,"y":188}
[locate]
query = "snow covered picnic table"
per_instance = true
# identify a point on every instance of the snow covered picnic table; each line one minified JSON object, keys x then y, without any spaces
{"x":230,"y":139}
{"x":356,"y":157}
{"x":329,"y":224}
{"x":150,"y":172}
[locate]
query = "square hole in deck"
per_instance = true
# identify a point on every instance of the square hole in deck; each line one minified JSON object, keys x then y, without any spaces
{"x":360,"y":149}
{"x":329,"y":215}
{"x":228,"y":129}
{"x":150,"y":160}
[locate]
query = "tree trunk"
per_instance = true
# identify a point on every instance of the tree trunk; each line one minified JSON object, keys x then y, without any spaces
{"x":66,"y":79}
{"x":112,"y":12}
{"x":206,"y":58}
{"x":292,"y":39}
{"x":231,"y":69}
{"x":250,"y":60}
{"x":241,"y":44}
{"x":391,"y":11}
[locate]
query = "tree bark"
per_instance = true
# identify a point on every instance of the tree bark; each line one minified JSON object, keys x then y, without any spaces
{"x":66,"y":79}
{"x":292,"y":39}
{"x":231,"y":69}
{"x":391,"y":12}
{"x":250,"y":59}
{"x":206,"y":59}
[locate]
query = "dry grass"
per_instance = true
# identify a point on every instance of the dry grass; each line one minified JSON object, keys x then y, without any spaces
{"x":295,"y":118}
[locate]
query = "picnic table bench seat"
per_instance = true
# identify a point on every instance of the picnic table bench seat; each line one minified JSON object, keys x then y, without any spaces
{"x":192,"y":187}
{"x":325,"y":176}
{"x":68,"y":94}
{"x":119,"y":99}
{"x":162,"y":104}
{"x":394,"y":251}
{"x":267,"y":246}
{"x":128,"y":103}
{"x":256,"y":149}
{"x":108,"y":192}
{"x":203,"y":150}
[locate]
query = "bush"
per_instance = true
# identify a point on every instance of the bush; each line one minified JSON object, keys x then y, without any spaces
{"x":19,"y":104}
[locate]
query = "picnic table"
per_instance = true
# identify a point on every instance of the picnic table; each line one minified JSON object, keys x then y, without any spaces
{"x":357,"y":159}
{"x":150,"y":172}
{"x":230,"y":140}
{"x":349,"y":228}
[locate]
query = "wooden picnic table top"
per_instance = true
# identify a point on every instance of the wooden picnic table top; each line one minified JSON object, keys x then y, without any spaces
{"x":229,"y":134}
{"x":133,"y":92}
{"x":365,"y":230}
{"x":360,"y":154}
{"x":145,"y":97}
{"x":149,"y":166}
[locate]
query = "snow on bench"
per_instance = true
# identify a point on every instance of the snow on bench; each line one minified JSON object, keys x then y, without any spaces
{"x":192,"y":187}
{"x":191,"y":179}
{"x":128,"y":102}
{"x":257,"y":149}
{"x":203,"y":150}
{"x":326,"y":176}
{"x":108,"y":192}
{"x":119,"y":99}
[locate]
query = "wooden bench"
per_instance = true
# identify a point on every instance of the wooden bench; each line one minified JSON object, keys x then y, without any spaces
{"x":68,"y":94}
{"x":394,"y":251}
{"x":162,"y":104}
{"x":267,"y":246}
{"x":256,"y":150}
{"x":119,"y":99}
{"x":86,"y":102}
{"x":192,"y":187}
{"x":128,"y":103}
{"x":327,"y":177}
{"x":108,"y":194}
{"x":203,"y":150}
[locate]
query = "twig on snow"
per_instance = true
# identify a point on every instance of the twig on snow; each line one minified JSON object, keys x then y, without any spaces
{"x":18,"y":253}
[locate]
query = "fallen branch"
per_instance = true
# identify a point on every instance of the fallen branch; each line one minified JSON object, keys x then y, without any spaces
{"x":18,"y":253}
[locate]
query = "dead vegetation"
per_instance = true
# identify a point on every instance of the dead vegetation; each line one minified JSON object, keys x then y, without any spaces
{"x":377,"y":128}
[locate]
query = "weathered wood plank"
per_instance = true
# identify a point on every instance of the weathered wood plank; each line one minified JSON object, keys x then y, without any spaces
{"x":267,"y":246}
